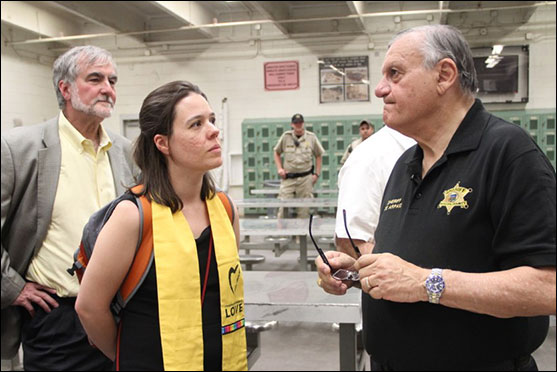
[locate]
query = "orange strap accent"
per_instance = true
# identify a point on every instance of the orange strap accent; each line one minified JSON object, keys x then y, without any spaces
{"x":226,"y":202}
{"x":144,"y":252}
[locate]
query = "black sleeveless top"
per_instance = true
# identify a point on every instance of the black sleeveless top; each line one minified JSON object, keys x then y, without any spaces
{"x":140,"y":340}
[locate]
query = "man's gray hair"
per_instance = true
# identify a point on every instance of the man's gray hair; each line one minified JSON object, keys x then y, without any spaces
{"x":443,"y":41}
{"x":67,"y":66}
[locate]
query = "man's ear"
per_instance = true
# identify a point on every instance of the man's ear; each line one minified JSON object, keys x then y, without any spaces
{"x":447,"y":75}
{"x":64,"y":88}
{"x":161,"y":141}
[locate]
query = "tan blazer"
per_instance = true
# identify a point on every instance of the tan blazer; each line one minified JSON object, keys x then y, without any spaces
{"x":31,"y":159}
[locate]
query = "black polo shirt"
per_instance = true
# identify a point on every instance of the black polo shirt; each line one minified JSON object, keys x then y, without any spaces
{"x":487,"y":205}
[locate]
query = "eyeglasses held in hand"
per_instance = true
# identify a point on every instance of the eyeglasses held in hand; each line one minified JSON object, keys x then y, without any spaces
{"x":348,"y":233}
{"x":340,"y":274}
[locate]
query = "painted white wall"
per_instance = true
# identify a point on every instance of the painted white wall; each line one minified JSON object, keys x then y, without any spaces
{"x":542,"y":75}
{"x":27,"y":94}
{"x":241,"y":82}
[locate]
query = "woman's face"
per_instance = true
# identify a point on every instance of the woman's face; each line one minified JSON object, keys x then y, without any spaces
{"x":193,"y":144}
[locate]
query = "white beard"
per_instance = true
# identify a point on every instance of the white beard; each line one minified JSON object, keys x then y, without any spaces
{"x":93,"y":109}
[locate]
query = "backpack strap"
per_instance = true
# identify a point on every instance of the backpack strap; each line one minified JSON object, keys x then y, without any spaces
{"x":227,"y":205}
{"x":143,"y":256}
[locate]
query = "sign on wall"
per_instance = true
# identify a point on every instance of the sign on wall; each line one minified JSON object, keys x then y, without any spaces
{"x":502,"y":73}
{"x":343,"y":79}
{"x":281,"y":75}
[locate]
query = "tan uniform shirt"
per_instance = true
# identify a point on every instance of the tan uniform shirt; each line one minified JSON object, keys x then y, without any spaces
{"x":349,"y":150}
{"x":298,"y":158}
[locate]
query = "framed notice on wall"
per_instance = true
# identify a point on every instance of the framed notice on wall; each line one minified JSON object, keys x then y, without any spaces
{"x":343,"y":79}
{"x":281,"y":75}
{"x":502,"y":73}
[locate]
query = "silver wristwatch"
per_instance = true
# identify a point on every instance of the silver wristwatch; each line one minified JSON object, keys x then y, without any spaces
{"x":435,"y":285}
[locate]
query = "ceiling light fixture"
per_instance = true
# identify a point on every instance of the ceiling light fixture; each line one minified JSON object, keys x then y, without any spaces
{"x":495,"y":56}
{"x":497,"y":49}
{"x":492,"y":61}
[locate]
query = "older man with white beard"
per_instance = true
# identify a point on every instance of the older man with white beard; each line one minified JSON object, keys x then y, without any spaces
{"x":54,"y":176}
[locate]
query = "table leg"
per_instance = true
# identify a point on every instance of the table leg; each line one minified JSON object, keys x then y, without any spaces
{"x":253,"y":347}
{"x":303,"y":253}
{"x":347,"y":346}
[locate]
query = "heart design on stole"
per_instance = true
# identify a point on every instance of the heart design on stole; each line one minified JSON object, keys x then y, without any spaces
{"x":234,"y":273}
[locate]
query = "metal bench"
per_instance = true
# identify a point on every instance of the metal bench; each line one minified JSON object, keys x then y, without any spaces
{"x":250,"y":259}
{"x":278,"y":244}
{"x":311,"y":262}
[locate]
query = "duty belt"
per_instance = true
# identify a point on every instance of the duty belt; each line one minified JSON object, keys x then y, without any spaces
{"x":297,"y":175}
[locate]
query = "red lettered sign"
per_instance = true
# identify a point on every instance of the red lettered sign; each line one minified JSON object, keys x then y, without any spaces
{"x":281,"y":75}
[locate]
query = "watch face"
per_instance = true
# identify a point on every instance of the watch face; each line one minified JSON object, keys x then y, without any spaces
{"x":435,"y":284}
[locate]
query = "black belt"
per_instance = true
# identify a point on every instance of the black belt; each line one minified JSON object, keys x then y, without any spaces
{"x":297,"y":175}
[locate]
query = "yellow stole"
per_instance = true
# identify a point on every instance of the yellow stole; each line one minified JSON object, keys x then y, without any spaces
{"x":178,"y":286}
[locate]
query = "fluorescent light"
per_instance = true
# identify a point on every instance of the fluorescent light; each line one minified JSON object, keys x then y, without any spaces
{"x":492,"y":60}
{"x":497,"y":49}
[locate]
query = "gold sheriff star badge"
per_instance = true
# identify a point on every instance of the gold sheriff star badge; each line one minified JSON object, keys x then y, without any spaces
{"x":455,"y":198}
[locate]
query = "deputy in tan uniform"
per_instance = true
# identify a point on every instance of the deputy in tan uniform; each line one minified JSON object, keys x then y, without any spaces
{"x":298,"y":173}
{"x":366,"y":130}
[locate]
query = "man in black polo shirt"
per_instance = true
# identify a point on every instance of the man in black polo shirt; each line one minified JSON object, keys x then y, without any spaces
{"x":462,"y":275}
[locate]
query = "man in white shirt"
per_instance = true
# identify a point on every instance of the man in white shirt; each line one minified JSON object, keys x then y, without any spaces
{"x":361,"y":183}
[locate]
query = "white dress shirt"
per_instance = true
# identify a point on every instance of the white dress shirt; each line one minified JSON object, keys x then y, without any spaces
{"x":362,"y":180}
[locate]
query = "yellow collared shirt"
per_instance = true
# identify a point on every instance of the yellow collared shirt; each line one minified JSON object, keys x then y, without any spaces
{"x":86,"y":184}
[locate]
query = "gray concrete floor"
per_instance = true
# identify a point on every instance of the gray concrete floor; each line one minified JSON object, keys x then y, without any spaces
{"x":297,"y":346}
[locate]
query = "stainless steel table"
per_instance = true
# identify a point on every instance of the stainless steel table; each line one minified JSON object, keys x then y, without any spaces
{"x":276,"y":191}
{"x":272,"y":203}
{"x":289,"y":227}
{"x":295,"y":296}
{"x":296,"y":202}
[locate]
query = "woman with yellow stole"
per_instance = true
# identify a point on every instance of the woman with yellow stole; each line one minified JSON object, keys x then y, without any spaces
{"x":188,"y":313}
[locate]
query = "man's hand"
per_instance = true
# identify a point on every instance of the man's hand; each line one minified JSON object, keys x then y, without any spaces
{"x":338,"y":260}
{"x":389,"y":277}
{"x":282,"y":173}
{"x":314,"y":178}
{"x":33,"y":293}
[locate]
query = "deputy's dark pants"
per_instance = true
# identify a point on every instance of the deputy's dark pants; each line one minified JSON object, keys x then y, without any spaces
{"x":56,"y":341}
{"x":526,"y":363}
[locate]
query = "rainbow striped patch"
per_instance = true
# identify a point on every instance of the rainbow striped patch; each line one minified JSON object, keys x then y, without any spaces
{"x":233,"y":327}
